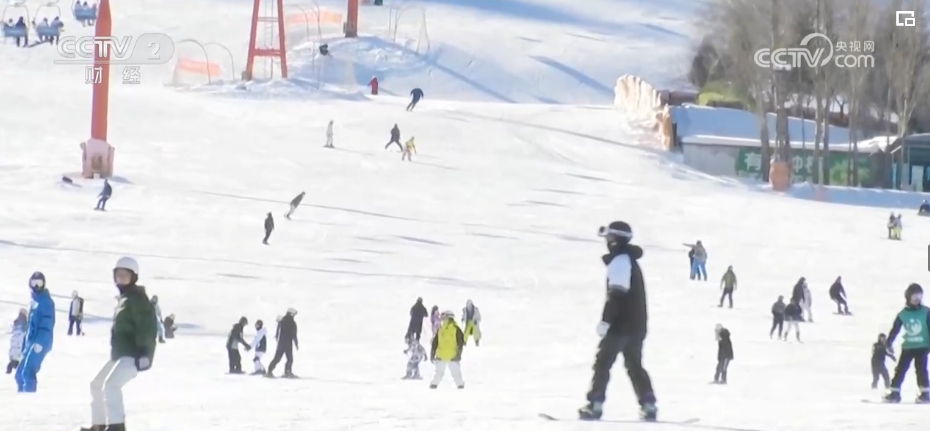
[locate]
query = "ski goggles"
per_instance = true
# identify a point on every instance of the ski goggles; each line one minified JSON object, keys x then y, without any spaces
{"x":606,"y":231}
{"x":36,"y":283}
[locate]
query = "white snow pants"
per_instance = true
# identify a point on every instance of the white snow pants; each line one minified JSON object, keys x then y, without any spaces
{"x":454,"y":367}
{"x":161,"y":330}
{"x":290,"y":211}
{"x":329,"y":140}
{"x":792,"y":324}
{"x":106,"y":391}
{"x":807,"y":312}
{"x":258,"y":361}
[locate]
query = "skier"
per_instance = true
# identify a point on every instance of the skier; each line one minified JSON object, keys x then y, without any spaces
{"x":287,"y":342}
{"x":415,"y":354}
{"x":329,"y":135}
{"x":158,"y":319}
{"x":39,"y":335}
{"x":924,"y":208}
{"x":724,"y":354}
{"x":170,"y":327}
{"x":417,"y":314}
{"x":915,"y":319}
{"x":793,"y":316}
{"x":623,"y":324}
{"x":395,"y":138}
{"x":698,"y":261}
{"x":294,"y":204}
{"x":434,"y":320}
{"x":471,"y":319}
{"x":260,"y":344}
{"x":374,"y":85}
{"x":232,"y":346}
{"x":807,"y":303}
{"x":410,"y":148}
{"x":838,"y":295}
{"x":132,"y":348}
{"x":104,"y":196}
{"x":269,"y":228}
{"x":880,"y":351}
{"x":416,"y":94}
{"x":447,"y":347}
{"x":728,"y":285}
{"x":75,"y":314}
{"x":778,"y":316}
{"x":17,"y":337}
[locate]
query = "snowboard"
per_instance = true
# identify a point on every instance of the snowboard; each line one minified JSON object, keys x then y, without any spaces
{"x":843,"y":314}
{"x":658,"y":421}
{"x":868,"y":401}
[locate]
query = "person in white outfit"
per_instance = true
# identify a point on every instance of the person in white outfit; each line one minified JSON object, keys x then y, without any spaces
{"x":806,"y":302}
{"x":260,"y":344}
{"x":446,"y":351}
{"x":329,"y":135}
{"x":471,"y":319}
{"x":158,"y":319}
{"x":17,"y":337}
{"x":75,"y":314}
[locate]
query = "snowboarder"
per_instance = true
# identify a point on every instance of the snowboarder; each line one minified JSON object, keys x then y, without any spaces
{"x":329,"y":135}
{"x":898,"y":227}
{"x":471,"y":319}
{"x":269,"y":228}
{"x":724,"y":354}
{"x":104,"y":196}
{"x":374,"y":85}
{"x":170,"y":327}
{"x":232,"y":345}
{"x":915,"y":319}
{"x":622,"y":326}
{"x":260,"y":344}
{"x":793,"y":317}
{"x":158,"y":319}
{"x":17,"y":337}
{"x":415,"y":354}
{"x":395,"y":138}
{"x":434,"y":320}
{"x":294,"y":204}
{"x":39,"y":334}
{"x":416,"y":94}
{"x":778,"y":316}
{"x":75,"y":314}
{"x":838,"y":295}
{"x":880,"y":351}
{"x":728,"y":285}
{"x":410,"y":148}
{"x":287,"y":342}
{"x":698,"y":261}
{"x":417,"y":314}
{"x":446,"y":351}
{"x":924,"y":208}
{"x":807,"y":303}
{"x":132,"y":348}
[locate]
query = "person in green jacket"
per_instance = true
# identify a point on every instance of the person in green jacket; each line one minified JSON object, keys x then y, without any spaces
{"x":132,"y":347}
{"x":915,"y":346}
{"x":728,"y":285}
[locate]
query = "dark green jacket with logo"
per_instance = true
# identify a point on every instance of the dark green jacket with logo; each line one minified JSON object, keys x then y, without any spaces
{"x":134,"y":325}
{"x":915,"y":321}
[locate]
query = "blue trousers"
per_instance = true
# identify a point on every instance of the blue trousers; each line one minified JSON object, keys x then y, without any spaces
{"x":698,"y":270}
{"x":102,"y":203}
{"x":27,"y":370}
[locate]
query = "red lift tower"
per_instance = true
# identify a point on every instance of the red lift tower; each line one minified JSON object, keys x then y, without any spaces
{"x":351,"y":27}
{"x":272,"y":23}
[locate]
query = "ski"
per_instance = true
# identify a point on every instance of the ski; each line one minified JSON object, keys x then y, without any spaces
{"x":658,"y":421}
{"x":868,"y":401}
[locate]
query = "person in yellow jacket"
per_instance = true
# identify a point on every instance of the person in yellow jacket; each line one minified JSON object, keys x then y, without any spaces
{"x":410,"y":148}
{"x":471,"y":319}
{"x":446,"y":351}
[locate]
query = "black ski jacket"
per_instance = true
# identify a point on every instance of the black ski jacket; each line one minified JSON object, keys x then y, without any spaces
{"x":417,"y":313}
{"x":724,"y":346}
{"x":296,"y":200}
{"x":235,"y":337}
{"x":626,"y":311}
{"x":287,"y":331}
{"x":879,"y":353}
{"x":269,"y":223}
{"x":837,"y":291}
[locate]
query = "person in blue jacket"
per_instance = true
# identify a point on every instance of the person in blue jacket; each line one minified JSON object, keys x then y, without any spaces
{"x":104,"y":196}
{"x":39,"y":334}
{"x":416,"y":95}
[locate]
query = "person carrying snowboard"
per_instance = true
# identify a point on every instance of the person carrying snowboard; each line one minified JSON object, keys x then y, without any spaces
{"x":415,"y":354}
{"x":915,"y":346}
{"x":294,"y":204}
{"x":17,"y":337}
{"x":724,"y":354}
{"x":395,"y":138}
{"x":622,"y":326}
{"x":880,"y":351}
{"x":728,"y":285}
{"x":415,"y":95}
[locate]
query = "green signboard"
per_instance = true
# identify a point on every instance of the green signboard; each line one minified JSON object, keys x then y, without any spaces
{"x":749,"y":164}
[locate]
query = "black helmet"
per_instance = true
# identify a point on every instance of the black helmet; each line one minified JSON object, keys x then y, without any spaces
{"x":912,"y":290}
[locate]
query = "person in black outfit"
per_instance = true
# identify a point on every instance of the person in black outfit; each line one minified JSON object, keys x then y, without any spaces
{"x":778,"y":316}
{"x":269,"y":227}
{"x":294,"y":204}
{"x":232,"y":346}
{"x":797,"y":292}
{"x":793,"y":315}
{"x":880,"y":351}
{"x":287,"y":342}
{"x":395,"y":138}
{"x":724,"y":354}
{"x":417,"y":314}
{"x":623,"y":324}
{"x":838,"y":295}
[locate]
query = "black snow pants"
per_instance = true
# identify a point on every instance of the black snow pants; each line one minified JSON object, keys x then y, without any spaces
{"x":632,"y":350}
{"x":919,"y":357}
{"x":879,"y":370}
{"x":10,"y":367}
{"x":394,"y":141}
{"x":778,"y":321}
{"x":727,"y":293}
{"x":235,"y":360}
{"x":841,"y":306}
{"x":413,"y":104}
{"x":284,"y":349}
{"x":721,"y":374}
{"x":267,"y":235}
{"x":415,"y":328}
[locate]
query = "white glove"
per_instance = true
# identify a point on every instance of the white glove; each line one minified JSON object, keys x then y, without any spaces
{"x":37,"y":348}
{"x":602,"y":329}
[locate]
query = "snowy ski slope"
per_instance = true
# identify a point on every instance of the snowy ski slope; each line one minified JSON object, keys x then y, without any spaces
{"x":500,"y":207}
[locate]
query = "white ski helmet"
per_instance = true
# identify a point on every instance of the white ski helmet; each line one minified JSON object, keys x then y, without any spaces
{"x":127,"y":263}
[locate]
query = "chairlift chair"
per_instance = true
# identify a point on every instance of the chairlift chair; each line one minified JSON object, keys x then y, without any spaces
{"x":48,"y":11}
{"x":9,"y":13}
{"x":84,"y":14}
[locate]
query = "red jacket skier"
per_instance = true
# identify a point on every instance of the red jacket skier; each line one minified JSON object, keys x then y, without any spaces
{"x":374,"y":85}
